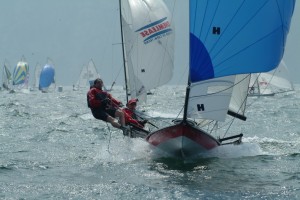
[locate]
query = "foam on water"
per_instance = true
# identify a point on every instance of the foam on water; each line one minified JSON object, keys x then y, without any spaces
{"x":123,"y":150}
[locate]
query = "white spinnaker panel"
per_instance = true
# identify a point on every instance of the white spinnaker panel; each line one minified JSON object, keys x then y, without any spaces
{"x":37,"y":72}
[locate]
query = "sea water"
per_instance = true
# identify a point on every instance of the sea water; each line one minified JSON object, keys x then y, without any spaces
{"x":51,"y":147}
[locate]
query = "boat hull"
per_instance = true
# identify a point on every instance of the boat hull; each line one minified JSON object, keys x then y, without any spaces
{"x":182,"y":140}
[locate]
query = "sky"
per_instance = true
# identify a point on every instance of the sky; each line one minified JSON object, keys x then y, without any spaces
{"x":71,"y":32}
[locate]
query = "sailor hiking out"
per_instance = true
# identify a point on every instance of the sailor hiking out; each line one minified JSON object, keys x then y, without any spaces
{"x":104,"y":107}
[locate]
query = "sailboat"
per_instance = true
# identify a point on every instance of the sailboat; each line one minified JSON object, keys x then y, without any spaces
{"x":21,"y":75}
{"x":228,"y":41}
{"x":36,"y":78}
{"x":6,"y":77}
{"x":147,"y":36}
{"x":47,"y":78}
{"x":271,"y":83}
{"x":87,"y":75}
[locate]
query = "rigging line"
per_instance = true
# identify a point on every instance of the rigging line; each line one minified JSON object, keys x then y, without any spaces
{"x":109,"y":138}
{"x":142,"y":118}
{"x":114,"y":81}
{"x":244,"y":102}
{"x":232,"y":120}
{"x":179,"y":112}
{"x":256,"y":81}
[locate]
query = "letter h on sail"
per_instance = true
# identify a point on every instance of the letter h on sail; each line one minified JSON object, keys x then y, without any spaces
{"x":200,"y":107}
{"x":216,"y":30}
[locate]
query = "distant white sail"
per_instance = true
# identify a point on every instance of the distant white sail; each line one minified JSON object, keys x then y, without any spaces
{"x":272,"y":82}
{"x":87,"y":75}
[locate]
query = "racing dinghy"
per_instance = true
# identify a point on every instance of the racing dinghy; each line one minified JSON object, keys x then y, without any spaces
{"x":228,"y":41}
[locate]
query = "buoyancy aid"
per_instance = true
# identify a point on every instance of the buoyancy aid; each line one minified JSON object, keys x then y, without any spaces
{"x":97,"y":98}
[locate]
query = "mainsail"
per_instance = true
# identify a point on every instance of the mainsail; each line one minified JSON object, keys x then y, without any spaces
{"x":6,"y":77}
{"x":148,"y":45}
{"x":37,"y":72}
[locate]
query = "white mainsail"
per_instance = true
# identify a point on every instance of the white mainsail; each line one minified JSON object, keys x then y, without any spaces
{"x":272,"y":82}
{"x":278,"y":79}
{"x":6,"y":77}
{"x":148,"y":42}
{"x":87,"y":75}
{"x":37,"y":72}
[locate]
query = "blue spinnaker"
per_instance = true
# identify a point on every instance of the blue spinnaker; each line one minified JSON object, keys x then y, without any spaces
{"x":237,"y":36}
{"x":47,"y":76}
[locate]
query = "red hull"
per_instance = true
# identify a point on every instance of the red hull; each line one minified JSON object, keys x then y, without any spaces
{"x":182,"y":140}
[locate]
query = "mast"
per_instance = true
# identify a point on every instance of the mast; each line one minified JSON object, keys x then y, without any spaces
{"x":123,"y":51}
{"x":186,"y":103}
{"x":188,"y":88}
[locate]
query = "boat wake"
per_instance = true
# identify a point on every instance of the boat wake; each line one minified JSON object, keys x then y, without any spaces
{"x":235,"y":151}
{"x":123,"y":150}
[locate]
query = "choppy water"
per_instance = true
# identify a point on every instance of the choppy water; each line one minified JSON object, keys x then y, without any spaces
{"x":52,"y":148}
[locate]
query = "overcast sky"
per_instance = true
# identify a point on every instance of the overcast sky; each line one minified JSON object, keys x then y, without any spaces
{"x":71,"y":32}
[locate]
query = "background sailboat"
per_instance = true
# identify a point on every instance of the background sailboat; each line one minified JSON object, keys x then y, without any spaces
{"x":271,"y":83}
{"x":87,"y":75}
{"x":228,"y":41}
{"x":47,"y":78}
{"x":6,"y":77}
{"x":36,"y":77}
{"x":148,"y":45}
{"x":21,"y":75}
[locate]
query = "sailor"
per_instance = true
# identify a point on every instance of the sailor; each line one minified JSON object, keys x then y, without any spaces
{"x":105,"y":107}
{"x":130,"y":116}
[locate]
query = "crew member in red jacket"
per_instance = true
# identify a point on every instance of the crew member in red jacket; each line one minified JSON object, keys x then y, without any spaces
{"x":104,"y":106}
{"x":130,"y":116}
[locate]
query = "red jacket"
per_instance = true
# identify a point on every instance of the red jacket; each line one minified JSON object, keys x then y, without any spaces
{"x":130,"y":118}
{"x":100,"y":99}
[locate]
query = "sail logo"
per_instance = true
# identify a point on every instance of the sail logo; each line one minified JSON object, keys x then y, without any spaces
{"x":155,"y":30}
